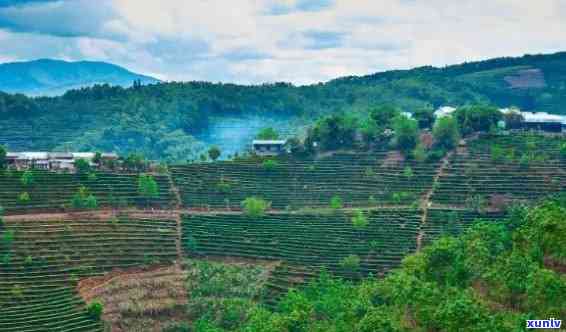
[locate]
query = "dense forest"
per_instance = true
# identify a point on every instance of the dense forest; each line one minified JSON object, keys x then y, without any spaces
{"x":162,"y":120}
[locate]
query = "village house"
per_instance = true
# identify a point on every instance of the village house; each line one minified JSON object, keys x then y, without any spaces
{"x":52,"y":160}
{"x":269,"y":147}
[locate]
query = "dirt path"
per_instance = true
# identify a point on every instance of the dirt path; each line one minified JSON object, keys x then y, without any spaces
{"x":426,"y":203}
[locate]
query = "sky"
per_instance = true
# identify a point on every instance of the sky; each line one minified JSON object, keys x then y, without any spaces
{"x":262,"y":41}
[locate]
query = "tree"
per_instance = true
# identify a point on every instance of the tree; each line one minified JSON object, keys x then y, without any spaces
{"x":332,"y":132}
{"x":24,"y":198}
{"x":135,"y":162}
{"x":406,"y":133}
{"x":27,"y":178}
{"x":383,"y":116}
{"x":84,"y":200}
{"x":424,"y":116}
{"x":82,"y":166}
{"x":360,"y":221}
{"x":477,"y":118}
{"x":147,"y":188}
{"x":267,"y":134}
{"x":336,"y":202}
{"x":270,"y":164}
{"x":97,"y":158}
{"x":3,"y":161}
{"x":255,"y":207}
{"x":91,"y":202}
{"x":95,"y":310}
{"x":445,"y":132}
{"x":408,"y":173}
{"x":350,"y":263}
{"x":214,"y":153}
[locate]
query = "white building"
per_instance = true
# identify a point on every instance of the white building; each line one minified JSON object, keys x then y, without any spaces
{"x":444,"y":111}
{"x":268,"y":147}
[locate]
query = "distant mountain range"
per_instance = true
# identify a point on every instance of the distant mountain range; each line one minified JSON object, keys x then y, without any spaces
{"x":49,"y":77}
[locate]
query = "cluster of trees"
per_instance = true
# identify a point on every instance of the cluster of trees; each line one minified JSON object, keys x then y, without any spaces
{"x":161,"y":120}
{"x":387,"y":127}
{"x":492,"y":278}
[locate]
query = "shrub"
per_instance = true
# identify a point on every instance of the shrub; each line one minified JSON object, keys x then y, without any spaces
{"x":359,"y":220}
{"x":267,"y":134}
{"x":27,"y":178}
{"x":336,"y":202}
{"x":445,"y":132}
{"x":82,"y":166}
{"x":270,"y":164}
{"x":406,"y":133}
{"x":224,"y":187}
{"x":350,"y":263}
{"x":95,"y":309}
{"x":83,"y":200}
{"x":147,"y":188}
{"x":408,"y":173}
{"x":255,"y":207}
{"x":24,"y":198}
{"x":91,"y":203}
{"x":214,"y":153}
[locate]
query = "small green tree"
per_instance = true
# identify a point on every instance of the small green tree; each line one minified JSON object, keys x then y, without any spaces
{"x":3,"y":161}
{"x":97,"y":158}
{"x":419,"y":153}
{"x":82,"y":166}
{"x":147,"y":188}
{"x":446,"y":133}
{"x":27,"y":178}
{"x":267,"y":134}
{"x":563,"y":151}
{"x":84,"y":200}
{"x":24,"y":198}
{"x":214,"y":153}
{"x":255,"y":207}
{"x":95,"y":309}
{"x":270,"y":164}
{"x":336,"y":202}
{"x":91,"y":202}
{"x":360,"y":221}
{"x":408,"y":173}
{"x":350,"y":263}
{"x":406,"y":133}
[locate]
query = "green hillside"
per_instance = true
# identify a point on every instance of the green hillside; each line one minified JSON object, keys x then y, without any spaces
{"x":170,"y":121}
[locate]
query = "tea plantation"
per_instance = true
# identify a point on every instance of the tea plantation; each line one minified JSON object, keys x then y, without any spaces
{"x":42,"y":261}
{"x":47,"y":191}
{"x":360,"y":180}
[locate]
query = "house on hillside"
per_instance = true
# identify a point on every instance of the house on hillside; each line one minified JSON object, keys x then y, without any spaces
{"x":52,"y":160}
{"x":542,"y":121}
{"x":444,"y":111}
{"x":269,"y":147}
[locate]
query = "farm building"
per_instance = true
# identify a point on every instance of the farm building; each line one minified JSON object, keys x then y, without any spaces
{"x":268,"y":147}
{"x":543,"y":121}
{"x":52,"y":160}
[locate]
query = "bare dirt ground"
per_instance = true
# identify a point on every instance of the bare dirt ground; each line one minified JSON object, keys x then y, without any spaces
{"x":139,"y":299}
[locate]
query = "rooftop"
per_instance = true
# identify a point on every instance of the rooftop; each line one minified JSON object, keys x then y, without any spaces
{"x":269,"y":142}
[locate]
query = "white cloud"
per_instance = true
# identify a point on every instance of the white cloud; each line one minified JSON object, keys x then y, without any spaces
{"x":253,"y":41}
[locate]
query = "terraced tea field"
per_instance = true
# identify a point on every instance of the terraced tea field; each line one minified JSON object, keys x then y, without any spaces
{"x":53,"y":191}
{"x":311,"y":241}
{"x":360,"y":181}
{"x":42,"y":261}
{"x":503,"y":168}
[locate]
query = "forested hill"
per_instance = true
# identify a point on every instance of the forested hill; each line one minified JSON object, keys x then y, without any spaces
{"x":49,"y":77}
{"x":162,"y":120}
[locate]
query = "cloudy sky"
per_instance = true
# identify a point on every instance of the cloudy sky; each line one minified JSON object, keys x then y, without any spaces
{"x":299,"y":41}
